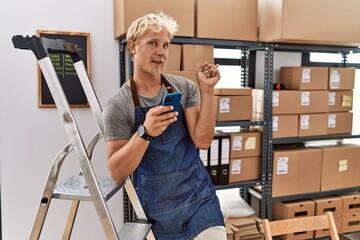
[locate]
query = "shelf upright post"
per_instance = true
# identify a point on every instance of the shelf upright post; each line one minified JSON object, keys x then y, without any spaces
{"x":244,"y":67}
{"x":267,"y":132}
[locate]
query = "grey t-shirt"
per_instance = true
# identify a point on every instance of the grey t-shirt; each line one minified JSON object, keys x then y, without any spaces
{"x":119,"y":112}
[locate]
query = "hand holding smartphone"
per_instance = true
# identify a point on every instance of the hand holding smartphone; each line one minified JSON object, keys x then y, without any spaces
{"x":172,"y":99}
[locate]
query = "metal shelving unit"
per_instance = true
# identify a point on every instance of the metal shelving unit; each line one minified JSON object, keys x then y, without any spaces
{"x":269,"y":53}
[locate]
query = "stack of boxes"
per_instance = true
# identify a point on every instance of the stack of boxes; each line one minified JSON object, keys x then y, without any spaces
{"x":245,"y":228}
{"x":345,"y":208}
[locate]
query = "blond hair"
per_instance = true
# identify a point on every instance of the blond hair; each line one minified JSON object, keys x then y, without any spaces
{"x":155,"y":22}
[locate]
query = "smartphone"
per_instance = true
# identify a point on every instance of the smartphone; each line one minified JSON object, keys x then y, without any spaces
{"x":172,"y":99}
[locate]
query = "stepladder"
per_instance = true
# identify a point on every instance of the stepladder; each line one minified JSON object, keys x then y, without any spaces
{"x":85,"y":186}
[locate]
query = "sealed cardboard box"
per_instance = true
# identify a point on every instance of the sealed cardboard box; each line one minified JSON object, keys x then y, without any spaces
{"x":244,"y":169}
{"x":193,"y":55}
{"x":313,"y":124}
{"x":340,"y":167}
{"x":173,"y":62}
{"x":293,"y":209}
{"x":280,"y":101}
{"x":304,"y":78}
{"x":351,"y":203}
{"x":350,"y":222}
{"x":126,"y":11}
{"x":233,"y":104}
{"x":340,"y":123}
{"x":245,"y":144}
{"x":326,"y":22}
{"x":341,"y":78}
{"x":238,"y":19}
{"x":314,"y":101}
{"x":285,"y":126}
{"x":340,"y":100}
{"x":296,"y":170}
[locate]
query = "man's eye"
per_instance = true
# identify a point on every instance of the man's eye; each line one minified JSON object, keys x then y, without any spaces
{"x":153,"y":44}
{"x":166,"y":46}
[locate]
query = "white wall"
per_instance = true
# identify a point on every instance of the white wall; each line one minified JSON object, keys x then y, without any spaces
{"x":31,"y":137}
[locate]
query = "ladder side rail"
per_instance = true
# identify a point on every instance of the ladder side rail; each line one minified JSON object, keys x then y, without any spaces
{"x":78,"y":145}
{"x":76,"y":203}
{"x":48,"y":191}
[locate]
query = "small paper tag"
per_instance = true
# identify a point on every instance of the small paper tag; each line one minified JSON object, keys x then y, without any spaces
{"x":332,"y":97}
{"x":237,"y":143}
{"x":304,"y":124}
{"x":305,"y":98}
{"x":275,"y":99}
{"x":334,"y":79}
{"x":306,"y":75}
{"x":224,"y":105}
{"x":250,"y":143}
{"x":346,"y":101}
{"x":275,"y":123}
{"x":343,"y":165}
{"x":332,"y":121}
{"x":236,"y":167}
{"x":282,"y":165}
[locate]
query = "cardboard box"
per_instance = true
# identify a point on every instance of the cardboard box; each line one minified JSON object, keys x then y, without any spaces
{"x":340,"y":167}
{"x":313,"y":124}
{"x":245,"y":144}
{"x":126,"y":11}
{"x":325,"y":22}
{"x":285,"y":126}
{"x":341,"y":78}
{"x":340,"y":101}
{"x":304,"y":78}
{"x":296,"y":170}
{"x":238,"y":19}
{"x":328,"y":204}
{"x":314,"y":101}
{"x":193,"y":55}
{"x":350,"y":222}
{"x":293,"y":209}
{"x":350,"y":203}
{"x":340,"y":123}
{"x":280,"y":101}
{"x":244,"y":169}
{"x":173,"y":62}
{"x":233,"y":104}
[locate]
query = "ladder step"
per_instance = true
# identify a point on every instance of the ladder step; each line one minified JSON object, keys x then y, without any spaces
{"x":134,"y":231}
{"x":75,"y":188}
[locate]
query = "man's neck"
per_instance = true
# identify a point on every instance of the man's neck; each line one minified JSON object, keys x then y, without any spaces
{"x":147,"y":85}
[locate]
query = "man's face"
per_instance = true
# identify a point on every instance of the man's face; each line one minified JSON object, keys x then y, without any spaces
{"x":151,"y":52}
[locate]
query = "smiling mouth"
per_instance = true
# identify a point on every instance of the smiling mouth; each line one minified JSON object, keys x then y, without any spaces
{"x":157,"y":61}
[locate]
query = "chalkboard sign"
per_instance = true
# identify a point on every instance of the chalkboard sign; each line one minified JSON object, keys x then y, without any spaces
{"x":65,"y":69}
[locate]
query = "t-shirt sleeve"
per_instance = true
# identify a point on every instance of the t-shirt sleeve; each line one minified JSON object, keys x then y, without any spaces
{"x":117,"y":123}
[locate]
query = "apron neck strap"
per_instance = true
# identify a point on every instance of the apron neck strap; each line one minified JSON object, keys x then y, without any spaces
{"x":134,"y":90}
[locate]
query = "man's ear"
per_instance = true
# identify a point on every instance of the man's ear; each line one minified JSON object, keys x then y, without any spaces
{"x":131,"y":47}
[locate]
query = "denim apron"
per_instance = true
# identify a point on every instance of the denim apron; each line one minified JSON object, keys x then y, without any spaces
{"x":174,"y":187}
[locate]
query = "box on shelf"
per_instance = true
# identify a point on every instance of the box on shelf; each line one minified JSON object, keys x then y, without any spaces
{"x":304,"y":78}
{"x":293,"y":209}
{"x":341,"y":78}
{"x":350,"y":222}
{"x":340,"y":167}
{"x":126,"y":11}
{"x":296,"y":170}
{"x":193,"y":55}
{"x":314,"y":101}
{"x":313,"y":124}
{"x":340,"y":123}
{"x":245,"y":144}
{"x":300,"y":22}
{"x":244,"y":169}
{"x":232,"y":104}
{"x":351,"y":203}
{"x":238,"y":19}
{"x":340,"y":100}
{"x":173,"y":62}
{"x":325,"y":232}
{"x":285,"y":126}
